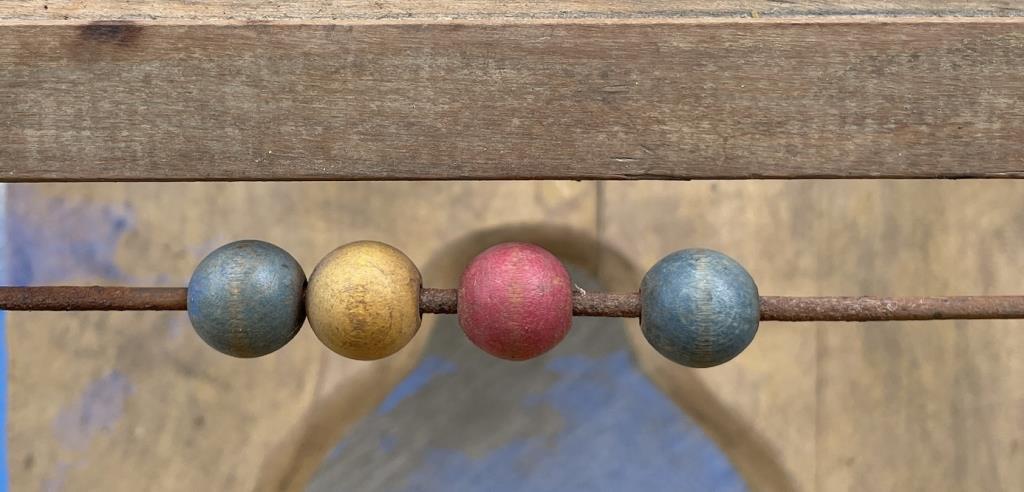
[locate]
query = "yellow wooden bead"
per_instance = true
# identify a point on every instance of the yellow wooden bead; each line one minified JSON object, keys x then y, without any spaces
{"x":363,"y":300}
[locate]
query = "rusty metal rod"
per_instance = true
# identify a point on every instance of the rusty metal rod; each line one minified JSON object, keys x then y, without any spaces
{"x":601,"y":304}
{"x":92,"y":298}
{"x":890,"y":308}
{"x":594,"y":303}
{"x":616,"y":305}
{"x":794,"y":308}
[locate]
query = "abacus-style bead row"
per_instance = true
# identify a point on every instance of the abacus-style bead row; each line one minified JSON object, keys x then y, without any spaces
{"x":699,"y":308}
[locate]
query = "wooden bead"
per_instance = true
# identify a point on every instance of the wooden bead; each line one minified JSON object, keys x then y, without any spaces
{"x":245,"y":298}
{"x":363,"y":300}
{"x":699,"y":307}
{"x":515,"y":301}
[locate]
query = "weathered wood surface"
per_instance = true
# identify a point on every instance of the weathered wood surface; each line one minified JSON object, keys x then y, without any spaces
{"x":123,"y":401}
{"x":491,"y":99}
{"x":487,"y":9}
{"x":930,"y":406}
{"x":907,"y":406}
{"x":895,"y":406}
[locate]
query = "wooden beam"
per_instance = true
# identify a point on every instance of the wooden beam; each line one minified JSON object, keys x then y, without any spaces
{"x":215,"y":11}
{"x":512,"y":99}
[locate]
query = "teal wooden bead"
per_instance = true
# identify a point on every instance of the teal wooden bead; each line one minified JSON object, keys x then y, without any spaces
{"x":699,"y":308}
{"x":245,"y":298}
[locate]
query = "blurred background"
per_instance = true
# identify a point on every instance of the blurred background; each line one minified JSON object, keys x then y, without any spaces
{"x":136,"y":401}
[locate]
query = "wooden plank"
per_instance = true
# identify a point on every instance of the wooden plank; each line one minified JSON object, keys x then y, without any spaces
{"x":807,"y":407}
{"x":136,"y":401}
{"x":213,"y":10}
{"x":671,"y":99}
{"x":848,"y":406}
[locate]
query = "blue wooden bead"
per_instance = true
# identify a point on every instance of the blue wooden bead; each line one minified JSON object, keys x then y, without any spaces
{"x":245,"y":298}
{"x":699,"y":307}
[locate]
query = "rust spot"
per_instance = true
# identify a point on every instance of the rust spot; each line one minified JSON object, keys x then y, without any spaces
{"x":116,"y":32}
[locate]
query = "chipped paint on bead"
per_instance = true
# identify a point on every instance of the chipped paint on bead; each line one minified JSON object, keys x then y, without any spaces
{"x":699,"y":307}
{"x":515,"y":301}
{"x":245,"y":298}
{"x":363,"y":300}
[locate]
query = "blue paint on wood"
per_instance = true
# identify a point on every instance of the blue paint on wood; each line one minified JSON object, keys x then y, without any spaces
{"x":429,"y":368}
{"x":337,"y":450}
{"x":388,"y":442}
{"x":581,"y":417}
{"x":245,"y":298}
{"x":700,"y":307}
{"x":620,"y":433}
{"x":97,"y":410}
{"x":51,"y":239}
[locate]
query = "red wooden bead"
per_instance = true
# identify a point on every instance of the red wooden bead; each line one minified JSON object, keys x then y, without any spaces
{"x":515,"y":301}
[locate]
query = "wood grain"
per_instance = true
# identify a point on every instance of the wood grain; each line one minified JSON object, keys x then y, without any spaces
{"x":901,"y":406}
{"x":218,"y":10}
{"x":641,"y":99}
{"x":182,"y":416}
{"x":866,"y":406}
